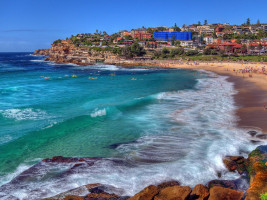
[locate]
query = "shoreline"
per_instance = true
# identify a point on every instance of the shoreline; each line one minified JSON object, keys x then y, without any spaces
{"x":251,"y":98}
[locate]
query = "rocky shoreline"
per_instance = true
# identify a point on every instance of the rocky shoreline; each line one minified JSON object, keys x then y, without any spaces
{"x":252,"y":169}
{"x":251,"y":185}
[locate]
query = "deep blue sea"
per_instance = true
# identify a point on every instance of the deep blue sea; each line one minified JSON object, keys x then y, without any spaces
{"x":167,"y":124}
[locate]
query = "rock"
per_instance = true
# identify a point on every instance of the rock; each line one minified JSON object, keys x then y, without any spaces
{"x":220,"y":193}
{"x":223,"y":183}
{"x":174,"y":193}
{"x":71,"y":197}
{"x":252,"y":133}
{"x":61,"y":159}
{"x":168,"y":184}
{"x":101,"y":196}
{"x":200,"y":192}
{"x":146,"y":194}
{"x":262,"y":136}
{"x":90,"y":191}
{"x":257,"y":172}
{"x":233,"y":163}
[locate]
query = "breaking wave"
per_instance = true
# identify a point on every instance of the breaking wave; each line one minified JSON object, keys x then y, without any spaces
{"x":23,"y":114}
{"x":200,"y":129}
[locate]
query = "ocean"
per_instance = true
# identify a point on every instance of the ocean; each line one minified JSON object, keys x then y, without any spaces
{"x":161,"y":124}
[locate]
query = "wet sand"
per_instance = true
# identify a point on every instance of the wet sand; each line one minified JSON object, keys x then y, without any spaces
{"x":251,"y":97}
{"x":250,"y":100}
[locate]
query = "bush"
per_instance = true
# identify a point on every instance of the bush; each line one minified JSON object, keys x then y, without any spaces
{"x":191,"y":53}
{"x":57,"y":41}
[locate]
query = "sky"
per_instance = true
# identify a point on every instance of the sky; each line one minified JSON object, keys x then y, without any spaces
{"x":26,"y":25}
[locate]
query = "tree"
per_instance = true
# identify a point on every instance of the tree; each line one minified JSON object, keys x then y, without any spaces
{"x":238,"y":41}
{"x":128,"y":37}
{"x":57,"y":41}
{"x":199,"y":23}
{"x":136,"y":49}
{"x":258,"y":22}
{"x":248,"y":21}
{"x":176,"y":28}
{"x":205,"y":22}
{"x":244,"y":48}
{"x":149,"y":30}
{"x":207,"y":51}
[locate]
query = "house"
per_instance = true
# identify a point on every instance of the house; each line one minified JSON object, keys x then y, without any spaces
{"x":264,"y":27}
{"x":140,"y":34}
{"x":219,"y":34}
{"x":152,"y":44}
{"x":237,"y":29}
{"x":118,"y":39}
{"x":124,"y":33}
{"x":205,"y":29}
{"x":208,"y":39}
{"x":188,"y":43}
{"x":219,"y":28}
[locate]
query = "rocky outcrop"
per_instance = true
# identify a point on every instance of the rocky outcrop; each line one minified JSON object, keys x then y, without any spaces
{"x":220,"y":193}
{"x":254,"y":169}
{"x":90,"y":192}
{"x":66,"y":52}
{"x":257,"y":169}
{"x":200,"y":192}
{"x":174,"y":193}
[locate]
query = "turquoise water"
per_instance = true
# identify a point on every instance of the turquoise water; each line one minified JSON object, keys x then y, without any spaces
{"x":161,"y":118}
{"x":75,"y":116}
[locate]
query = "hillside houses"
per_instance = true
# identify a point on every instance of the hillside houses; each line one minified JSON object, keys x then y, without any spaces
{"x":221,"y":37}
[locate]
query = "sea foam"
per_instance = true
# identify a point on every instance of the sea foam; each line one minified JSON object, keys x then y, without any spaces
{"x":23,"y":114}
{"x":201,"y":130}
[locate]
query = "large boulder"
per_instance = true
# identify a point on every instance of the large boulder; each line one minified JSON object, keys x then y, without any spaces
{"x":174,"y":193}
{"x":146,"y":194}
{"x":220,"y":193}
{"x":200,"y":192}
{"x":257,"y":169}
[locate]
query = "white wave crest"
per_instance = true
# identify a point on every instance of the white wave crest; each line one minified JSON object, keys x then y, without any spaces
{"x":38,"y":61}
{"x":99,"y":113}
{"x":24,"y":114}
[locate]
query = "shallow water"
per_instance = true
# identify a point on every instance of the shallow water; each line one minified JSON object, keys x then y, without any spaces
{"x":162,"y":124}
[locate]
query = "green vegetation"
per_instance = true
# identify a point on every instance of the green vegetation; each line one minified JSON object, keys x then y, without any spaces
{"x":264,"y":196}
{"x":208,"y":55}
{"x":128,"y":52}
{"x":176,"y":28}
{"x":57,"y":41}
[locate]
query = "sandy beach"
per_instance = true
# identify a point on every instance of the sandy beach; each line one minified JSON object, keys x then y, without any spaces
{"x":252,"y":90}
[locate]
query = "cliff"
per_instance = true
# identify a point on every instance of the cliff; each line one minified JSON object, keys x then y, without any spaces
{"x":66,"y":52}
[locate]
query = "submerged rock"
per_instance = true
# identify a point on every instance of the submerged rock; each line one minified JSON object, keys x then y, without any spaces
{"x":233,"y":163}
{"x":223,"y":183}
{"x":90,"y":192}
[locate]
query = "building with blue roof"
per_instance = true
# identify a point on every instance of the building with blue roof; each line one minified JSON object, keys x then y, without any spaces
{"x":168,"y":36}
